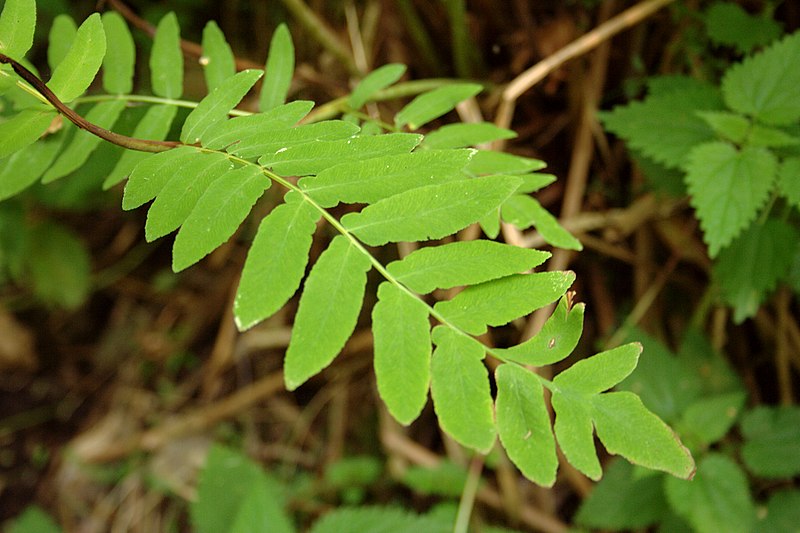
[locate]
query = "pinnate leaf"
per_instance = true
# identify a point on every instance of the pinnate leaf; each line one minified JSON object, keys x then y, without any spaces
{"x":370,"y":180}
{"x":433,"y":104}
{"x":575,"y":432}
{"x":218,"y":213}
{"x":462,"y":263}
{"x":59,"y":40}
{"x":523,"y":424}
{"x":373,"y":82}
{"x":21,"y":169}
{"x":491,"y":162}
{"x":728,"y":187}
{"x":555,"y":341}
{"x":273,"y":136}
{"x":166,"y":59}
{"x":180,"y":194}
{"x":430,"y":212}
{"x":460,"y":390}
{"x":276,"y":262}
{"x":500,"y":301}
{"x":120,"y":56}
{"x":314,"y":157}
{"x":279,"y":69}
{"x":462,"y":135}
{"x":601,"y":371}
{"x":401,"y":329}
{"x":216,"y":106}
{"x":717,"y":499}
{"x":524,"y":211}
{"x":764,"y":85}
{"x":17,"y":24}
{"x":229,"y":132}
{"x":154,"y":125}
{"x":154,"y":171}
{"x":77,"y":70}
{"x":626,"y":427}
{"x":217,"y":61}
{"x":328,"y":310}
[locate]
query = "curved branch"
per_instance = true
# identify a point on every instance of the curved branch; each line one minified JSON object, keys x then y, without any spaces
{"x":132,"y":143}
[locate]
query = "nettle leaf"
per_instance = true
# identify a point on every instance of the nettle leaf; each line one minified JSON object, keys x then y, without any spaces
{"x":166,"y":59}
{"x":24,"y":129}
{"x":154,"y":125}
{"x":216,"y":106}
{"x":217,"y":61}
{"x":524,"y":211}
{"x":218,"y":213}
{"x":435,"y":103}
{"x":83,"y":143}
{"x":279,"y":69}
{"x":730,"y":126}
{"x":155,"y":170}
{"x":328,"y":310}
{"x":763,"y":85}
{"x":500,"y":301}
{"x":17,"y":25}
{"x":76,"y":72}
{"x":314,"y":157}
{"x":463,"y":135}
{"x":462,"y":263}
{"x":729,"y":24}
{"x":628,"y":497}
{"x":754,"y":263}
{"x":666,"y":126}
{"x":378,"y":79}
{"x":229,"y":134}
{"x":717,"y":499}
{"x":491,"y":162}
{"x":371,"y":180}
{"x":555,"y":341}
{"x":601,"y":371}
{"x":728,"y":187}
{"x":276,"y":261}
{"x":401,"y":329}
{"x":460,"y":390}
{"x":59,"y":40}
{"x":120,"y":57}
{"x":523,"y":424}
{"x":789,"y":180}
{"x":21,"y":169}
{"x":273,"y":136}
{"x":772,"y":441}
{"x":180,"y":194}
{"x":429,"y":212}
{"x":626,"y":427}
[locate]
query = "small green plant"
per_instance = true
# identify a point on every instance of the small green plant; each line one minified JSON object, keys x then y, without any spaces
{"x":737,"y":147}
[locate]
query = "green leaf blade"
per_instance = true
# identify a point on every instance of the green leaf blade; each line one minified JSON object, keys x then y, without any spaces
{"x":460,"y":390}
{"x":275,"y":263}
{"x":497,"y":302}
{"x":626,"y":427}
{"x":150,"y":175}
{"x":575,"y":432}
{"x":218,"y":61}
{"x":401,"y":330}
{"x":430,"y":212}
{"x":462,"y":263}
{"x":166,"y":59}
{"x":76,"y":72}
{"x":23,"y":129}
{"x":230,"y":133}
{"x":279,"y":69}
{"x":216,"y":106}
{"x":17,"y":25}
{"x":523,"y":424}
{"x":463,"y":135}
{"x":274,"y":137}
{"x":728,"y":187}
{"x":602,"y":371}
{"x":218,"y":213}
{"x":328,"y":311}
{"x":22,"y":168}
{"x":120,"y":58}
{"x":435,"y":103}
{"x":62,"y":35}
{"x":772,"y":441}
{"x":524,"y":211}
{"x":378,"y":79}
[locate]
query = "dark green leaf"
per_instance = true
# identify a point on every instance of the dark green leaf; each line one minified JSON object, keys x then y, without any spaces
{"x":772,"y":441}
{"x":789,"y":180}
{"x":444,"y":479}
{"x":782,"y":513}
{"x":62,"y":35}
{"x":33,"y":520}
{"x":24,"y":167}
{"x":120,"y":57}
{"x":24,"y":129}
{"x":401,"y":331}
{"x":218,"y":61}
{"x":166,"y":59}
{"x":707,"y":420}
{"x":328,"y":310}
{"x":59,"y":266}
{"x":728,"y":24}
